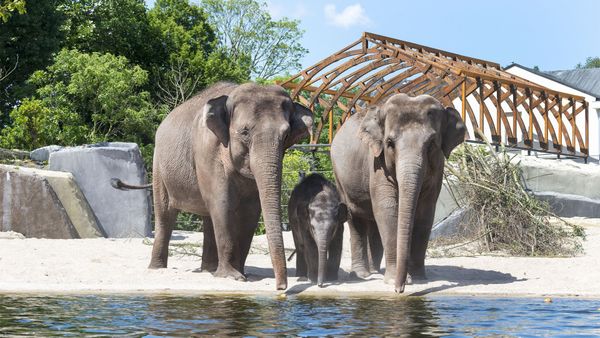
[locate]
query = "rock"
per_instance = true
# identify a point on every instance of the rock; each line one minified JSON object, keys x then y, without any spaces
{"x":11,"y":235}
{"x":561,"y":176}
{"x":567,"y":205}
{"x":6,"y":154}
{"x":42,"y":154}
{"x":120,"y":213}
{"x":450,"y":226}
{"x":44,"y":204}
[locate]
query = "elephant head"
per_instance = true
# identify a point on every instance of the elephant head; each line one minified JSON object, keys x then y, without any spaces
{"x":256,"y":124}
{"x":411,"y":136}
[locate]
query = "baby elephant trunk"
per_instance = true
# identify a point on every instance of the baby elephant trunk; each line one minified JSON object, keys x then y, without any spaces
{"x":322,"y":246}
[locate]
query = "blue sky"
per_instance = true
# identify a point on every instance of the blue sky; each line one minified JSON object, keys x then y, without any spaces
{"x":552,"y":34}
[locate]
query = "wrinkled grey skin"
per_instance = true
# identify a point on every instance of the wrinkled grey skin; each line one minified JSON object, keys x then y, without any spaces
{"x":389,"y":163}
{"x":317,"y":221}
{"x":219,"y":155}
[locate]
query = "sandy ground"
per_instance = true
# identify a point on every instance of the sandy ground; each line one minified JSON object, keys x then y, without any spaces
{"x":119,"y":265}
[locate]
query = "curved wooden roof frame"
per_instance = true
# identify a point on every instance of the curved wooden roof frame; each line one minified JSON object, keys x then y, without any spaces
{"x":375,"y":67}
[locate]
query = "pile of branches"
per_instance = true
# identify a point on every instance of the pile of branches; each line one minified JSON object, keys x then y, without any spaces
{"x":502,"y":215}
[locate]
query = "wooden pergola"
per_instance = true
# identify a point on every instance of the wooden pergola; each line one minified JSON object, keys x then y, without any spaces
{"x":505,"y":108}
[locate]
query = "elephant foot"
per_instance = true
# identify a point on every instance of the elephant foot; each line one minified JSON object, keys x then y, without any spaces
{"x":360,"y":274}
{"x":157,"y":264}
{"x":418,"y":274}
{"x":229,"y":272}
{"x":208,"y":267}
{"x":331,"y":277}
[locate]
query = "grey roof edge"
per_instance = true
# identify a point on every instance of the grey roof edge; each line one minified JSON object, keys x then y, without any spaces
{"x":552,"y":78}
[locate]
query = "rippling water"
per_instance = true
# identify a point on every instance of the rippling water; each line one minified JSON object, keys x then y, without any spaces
{"x":104,"y":315}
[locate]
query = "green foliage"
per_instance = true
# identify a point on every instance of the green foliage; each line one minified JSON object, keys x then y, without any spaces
{"x":590,"y":62}
{"x":247,"y":32}
{"x":84,"y":98}
{"x":9,"y":6}
{"x":27,"y":43}
{"x":193,"y":60}
{"x":118,"y":27}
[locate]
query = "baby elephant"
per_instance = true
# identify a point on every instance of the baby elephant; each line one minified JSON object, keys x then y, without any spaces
{"x":317,"y":220}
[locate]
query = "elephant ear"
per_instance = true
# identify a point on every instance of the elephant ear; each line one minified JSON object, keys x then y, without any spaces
{"x":454,"y":132}
{"x":215,"y":118}
{"x":371,"y":130}
{"x":301,"y":121}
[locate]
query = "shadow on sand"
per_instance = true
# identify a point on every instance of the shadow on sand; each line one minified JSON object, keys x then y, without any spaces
{"x":459,"y":276}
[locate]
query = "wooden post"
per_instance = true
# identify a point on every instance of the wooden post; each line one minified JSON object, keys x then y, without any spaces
{"x":530,"y":131}
{"x":513,"y":89}
{"x":574,"y":136}
{"x":587,"y":130}
{"x":481,"y":107}
{"x":560,"y":122}
{"x":330,"y":125}
{"x":498,"y":112}
{"x":464,"y":104}
{"x":546,"y":111}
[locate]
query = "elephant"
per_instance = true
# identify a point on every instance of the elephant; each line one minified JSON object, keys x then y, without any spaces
{"x":388,"y":162}
{"x":219,"y":155}
{"x":317,"y":221}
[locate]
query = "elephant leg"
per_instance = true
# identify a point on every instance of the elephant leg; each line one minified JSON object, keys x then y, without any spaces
{"x":311,"y":255}
{"x":385,"y":209}
{"x":165,"y":218}
{"x":301,"y":268}
{"x":226,"y":223}
{"x":250,"y":218}
{"x":210,"y":258}
{"x":334,"y":255}
{"x":420,"y":236}
{"x":375,"y":249}
{"x":358,"y":247}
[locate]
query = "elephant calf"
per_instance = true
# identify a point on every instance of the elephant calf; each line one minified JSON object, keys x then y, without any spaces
{"x":317,"y":220}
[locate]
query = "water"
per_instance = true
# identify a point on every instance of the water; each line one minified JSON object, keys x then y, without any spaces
{"x":133,"y":315}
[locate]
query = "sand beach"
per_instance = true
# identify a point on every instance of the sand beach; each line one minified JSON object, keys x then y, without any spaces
{"x":119,"y":266}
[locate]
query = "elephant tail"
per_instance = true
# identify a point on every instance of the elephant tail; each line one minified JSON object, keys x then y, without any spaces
{"x":118,"y":184}
{"x":291,"y":255}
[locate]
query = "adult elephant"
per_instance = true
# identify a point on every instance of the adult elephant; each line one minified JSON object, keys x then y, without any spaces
{"x":219,"y":155}
{"x":388,"y":162}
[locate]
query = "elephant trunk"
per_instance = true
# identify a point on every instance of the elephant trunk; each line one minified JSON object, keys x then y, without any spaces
{"x":267,"y":173}
{"x":410,"y":179}
{"x":322,"y":246}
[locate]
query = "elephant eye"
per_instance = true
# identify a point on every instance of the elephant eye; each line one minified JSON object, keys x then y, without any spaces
{"x":244,"y":131}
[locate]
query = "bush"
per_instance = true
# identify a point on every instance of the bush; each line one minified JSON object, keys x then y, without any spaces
{"x":503,"y":215}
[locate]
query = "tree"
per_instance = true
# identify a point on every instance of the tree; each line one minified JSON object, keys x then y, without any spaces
{"x":28,"y":42}
{"x":590,"y":62}
{"x":84,"y":98}
{"x":193,"y":60}
{"x":9,"y":6}
{"x":247,"y":31}
{"x":118,"y":27}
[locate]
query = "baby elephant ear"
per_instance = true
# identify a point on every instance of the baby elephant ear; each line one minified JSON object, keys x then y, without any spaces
{"x":215,"y":118}
{"x":342,"y":212}
{"x":454,"y":132}
{"x":371,"y":130}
